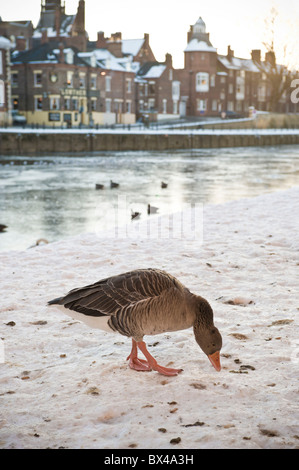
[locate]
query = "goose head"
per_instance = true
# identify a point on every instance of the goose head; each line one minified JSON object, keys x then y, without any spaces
{"x":206,"y":334}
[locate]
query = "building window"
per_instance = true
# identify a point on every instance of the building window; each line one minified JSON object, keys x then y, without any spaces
{"x":82,"y":81}
{"x":108,"y":83}
{"x":14,"y":79}
{"x":230,"y":88}
{"x":69,"y":79}
{"x":15,"y":104}
{"x":175,"y":107}
{"x":212,"y":80}
{"x":2,"y":93}
{"x":201,"y":105}
{"x":170,"y":74}
{"x":240,"y":91}
{"x":128,"y":106}
{"x":93,"y":104}
{"x":175,"y":90}
{"x":151,"y":88}
{"x":54,"y":103}
{"x":141,"y":105}
{"x":38,"y":103}
{"x":1,"y":63}
{"x":230,"y":106}
{"x":164,"y":106}
{"x":108,"y":105}
{"x":202,"y":82}
{"x":75,"y":104}
{"x":93,"y":82}
{"x":151,"y":103}
{"x":214,"y":105}
{"x":129,"y":85}
{"x":67,"y":104}
{"x":37,"y":79}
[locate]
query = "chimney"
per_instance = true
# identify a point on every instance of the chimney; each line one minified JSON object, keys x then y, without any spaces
{"x":114,"y":45}
{"x":44,"y":38}
{"x":230,"y":53}
{"x":270,"y":58}
{"x":21,"y":43}
{"x":79,"y":23}
{"x":101,"y":41}
{"x":146,"y":38}
{"x":61,"y":53}
{"x":57,"y":22}
{"x":168,"y":60}
{"x":256,"y":55}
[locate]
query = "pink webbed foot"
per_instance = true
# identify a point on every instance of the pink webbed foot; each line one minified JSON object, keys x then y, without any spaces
{"x":134,"y":362}
{"x":153,"y":363}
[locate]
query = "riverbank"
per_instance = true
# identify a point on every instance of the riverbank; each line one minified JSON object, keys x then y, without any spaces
{"x":44,"y":141}
{"x":64,"y":385}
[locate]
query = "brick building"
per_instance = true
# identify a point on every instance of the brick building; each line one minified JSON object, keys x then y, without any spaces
{"x":157,"y":91}
{"x":5,"y":88}
{"x":59,"y":77}
{"x":53,"y":86}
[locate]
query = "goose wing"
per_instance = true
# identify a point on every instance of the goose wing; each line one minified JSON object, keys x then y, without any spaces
{"x":111,"y":295}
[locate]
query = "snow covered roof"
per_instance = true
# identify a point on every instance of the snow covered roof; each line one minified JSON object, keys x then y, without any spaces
{"x":131,"y":46}
{"x":5,"y":43}
{"x":155,"y":71}
{"x":151,"y":70}
{"x":195,"y":45}
{"x":107,"y":60}
{"x":238,"y":64}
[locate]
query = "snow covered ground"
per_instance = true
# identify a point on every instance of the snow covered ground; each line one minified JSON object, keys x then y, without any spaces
{"x":65,"y":385}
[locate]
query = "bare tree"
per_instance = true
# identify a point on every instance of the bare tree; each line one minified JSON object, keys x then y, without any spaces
{"x":278,"y":76}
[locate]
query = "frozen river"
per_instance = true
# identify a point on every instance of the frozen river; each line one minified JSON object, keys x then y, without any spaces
{"x":54,"y":197}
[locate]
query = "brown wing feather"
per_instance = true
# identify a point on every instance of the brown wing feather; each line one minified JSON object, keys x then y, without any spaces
{"x":112,"y":295}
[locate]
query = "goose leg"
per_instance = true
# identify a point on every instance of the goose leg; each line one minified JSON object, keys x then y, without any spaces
{"x":136,"y":363}
{"x":153,"y":363}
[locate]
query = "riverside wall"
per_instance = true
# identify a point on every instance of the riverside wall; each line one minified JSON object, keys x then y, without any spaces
{"x":35,"y":143}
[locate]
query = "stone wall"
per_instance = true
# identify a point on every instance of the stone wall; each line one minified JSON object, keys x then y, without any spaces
{"x":35,"y":143}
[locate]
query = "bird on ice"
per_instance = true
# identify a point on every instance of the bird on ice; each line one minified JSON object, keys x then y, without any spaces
{"x":144,"y":302}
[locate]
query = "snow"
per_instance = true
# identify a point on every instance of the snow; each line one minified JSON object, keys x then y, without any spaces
{"x":196,"y":45}
{"x":162,"y":130}
{"x":155,"y":71}
{"x":131,"y":46}
{"x":66,"y":385}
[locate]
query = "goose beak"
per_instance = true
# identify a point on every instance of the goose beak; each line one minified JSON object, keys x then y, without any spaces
{"x":215,"y":360}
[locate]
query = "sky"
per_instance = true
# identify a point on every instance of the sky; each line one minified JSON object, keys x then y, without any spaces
{"x":236,"y":23}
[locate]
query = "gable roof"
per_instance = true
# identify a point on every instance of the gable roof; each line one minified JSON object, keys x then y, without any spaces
{"x":131,"y":46}
{"x":151,"y":70}
{"x":238,"y":64}
{"x":45,"y":53}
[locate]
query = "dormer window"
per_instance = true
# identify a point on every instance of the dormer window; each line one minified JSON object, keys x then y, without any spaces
{"x":69,"y":57}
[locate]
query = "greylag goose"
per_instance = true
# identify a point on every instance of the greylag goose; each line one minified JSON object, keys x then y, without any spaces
{"x":135,"y":214}
{"x":100,"y":186}
{"x":144,"y":302}
{"x":163,"y":185}
{"x":113,"y":184}
{"x":152,"y":209}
